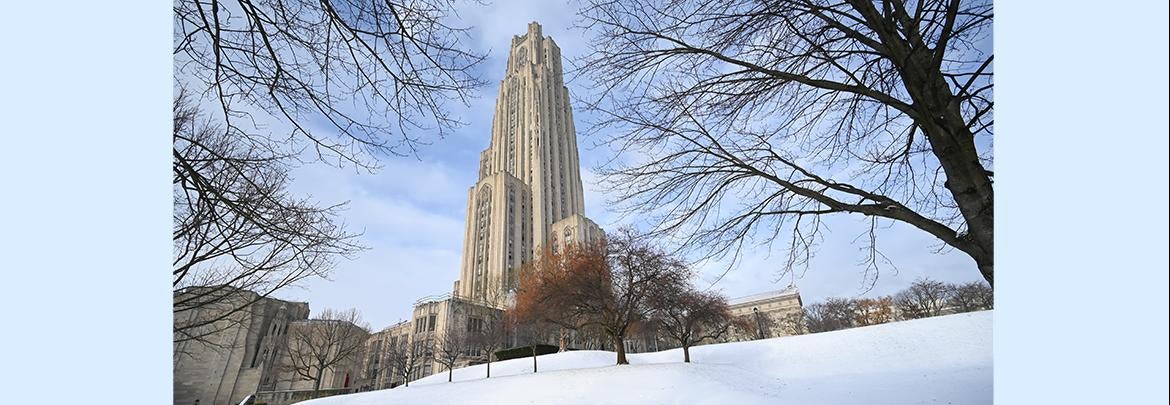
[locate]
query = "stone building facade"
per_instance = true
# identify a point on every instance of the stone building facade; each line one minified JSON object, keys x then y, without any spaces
{"x":773,"y":313}
{"x":307,"y":340}
{"x":239,"y":355}
{"x":347,"y":371}
{"x":377,"y":368}
{"x":529,"y":176}
{"x":528,"y":193}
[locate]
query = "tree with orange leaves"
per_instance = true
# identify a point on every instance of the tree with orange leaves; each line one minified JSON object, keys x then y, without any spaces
{"x":607,"y":284}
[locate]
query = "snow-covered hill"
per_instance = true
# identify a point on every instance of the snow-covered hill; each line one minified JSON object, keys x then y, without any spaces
{"x":942,"y":360}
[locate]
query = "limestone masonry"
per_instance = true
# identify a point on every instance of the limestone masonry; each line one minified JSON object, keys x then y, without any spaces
{"x":529,"y":190}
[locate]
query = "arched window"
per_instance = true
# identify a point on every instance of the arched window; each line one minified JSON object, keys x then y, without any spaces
{"x":482,"y":240}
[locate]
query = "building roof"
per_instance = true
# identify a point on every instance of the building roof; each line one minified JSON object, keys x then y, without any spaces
{"x":787,"y":291}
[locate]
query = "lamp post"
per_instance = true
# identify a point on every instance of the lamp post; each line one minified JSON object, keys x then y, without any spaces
{"x":759,"y":323}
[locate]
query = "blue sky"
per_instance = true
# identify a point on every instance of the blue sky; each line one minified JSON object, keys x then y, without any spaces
{"x":412,"y":211}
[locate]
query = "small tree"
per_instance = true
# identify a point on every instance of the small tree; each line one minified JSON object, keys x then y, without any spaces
{"x":871,"y":311}
{"x":331,"y":339}
{"x":973,"y":296}
{"x":689,"y":316}
{"x":451,"y":345}
{"x":833,"y":314}
{"x":492,"y":337}
{"x":794,"y":323}
{"x":530,"y":332}
{"x":402,"y":358}
{"x":924,"y":298}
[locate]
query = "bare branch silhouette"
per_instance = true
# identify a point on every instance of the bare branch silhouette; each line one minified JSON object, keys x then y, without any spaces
{"x":745,"y":121}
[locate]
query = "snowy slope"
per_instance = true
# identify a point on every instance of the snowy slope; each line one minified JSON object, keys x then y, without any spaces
{"x":942,"y":360}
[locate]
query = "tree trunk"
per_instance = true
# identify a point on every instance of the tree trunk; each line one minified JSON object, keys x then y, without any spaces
{"x":450,"y":372}
{"x":620,"y":346}
{"x":686,"y":353}
{"x":533,"y":359}
{"x":986,"y":269}
{"x":953,"y":144}
{"x":317,"y":381}
{"x":489,"y":366}
{"x":564,"y":343}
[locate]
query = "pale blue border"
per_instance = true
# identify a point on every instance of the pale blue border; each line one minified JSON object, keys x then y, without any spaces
{"x":85,"y":202}
{"x":1081,"y":153}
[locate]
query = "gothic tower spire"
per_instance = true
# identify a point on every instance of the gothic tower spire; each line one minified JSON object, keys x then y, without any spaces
{"x":529,"y":190}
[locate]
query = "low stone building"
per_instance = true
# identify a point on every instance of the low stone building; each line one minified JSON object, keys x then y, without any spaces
{"x":339,"y":345}
{"x":236,"y":354}
{"x":771,"y":314}
{"x":378,"y":373}
{"x":434,"y":316}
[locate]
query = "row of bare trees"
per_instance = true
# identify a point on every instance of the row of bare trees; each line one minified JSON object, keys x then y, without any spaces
{"x":616,"y":286}
{"x":923,"y":298}
{"x":484,"y":331}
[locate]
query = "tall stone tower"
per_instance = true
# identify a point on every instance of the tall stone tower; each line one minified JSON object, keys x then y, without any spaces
{"x":529,"y":190}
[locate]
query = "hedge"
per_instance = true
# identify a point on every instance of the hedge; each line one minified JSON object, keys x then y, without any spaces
{"x":525,"y":351}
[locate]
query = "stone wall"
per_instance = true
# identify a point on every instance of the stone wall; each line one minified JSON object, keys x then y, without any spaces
{"x":779,"y":312}
{"x":237,"y":355}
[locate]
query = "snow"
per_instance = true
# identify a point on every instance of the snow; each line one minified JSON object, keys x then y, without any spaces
{"x":941,"y":360}
{"x":762,"y":296}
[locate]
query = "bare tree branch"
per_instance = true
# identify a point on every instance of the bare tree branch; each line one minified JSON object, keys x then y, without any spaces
{"x":742,"y":121}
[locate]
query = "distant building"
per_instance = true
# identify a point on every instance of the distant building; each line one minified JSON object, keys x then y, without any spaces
{"x":773,"y":313}
{"x":377,"y":371}
{"x":318,"y":338}
{"x":235,"y":356}
{"x":344,"y":374}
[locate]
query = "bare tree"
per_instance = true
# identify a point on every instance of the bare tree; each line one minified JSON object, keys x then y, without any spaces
{"x":745,"y":121}
{"x":793,"y":323}
{"x":401,"y":358}
{"x":591,"y":337}
{"x":326,"y":342}
{"x":376,"y":75}
{"x":450,"y":346}
{"x":924,"y":298}
{"x":872,"y":311}
{"x":488,"y":326}
{"x":635,"y":270}
{"x":833,"y":314}
{"x":973,"y":296}
{"x":236,"y":227}
{"x":530,"y":331}
{"x":492,"y":336}
{"x":338,"y":81}
{"x":689,"y":316}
